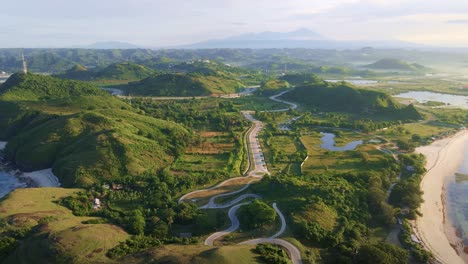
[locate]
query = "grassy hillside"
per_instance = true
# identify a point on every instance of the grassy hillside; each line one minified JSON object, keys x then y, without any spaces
{"x":85,"y":139}
{"x":343,"y":97}
{"x":179,"y":84}
{"x":395,"y":64}
{"x":33,"y":87}
{"x":45,"y":232}
{"x":125,"y":71}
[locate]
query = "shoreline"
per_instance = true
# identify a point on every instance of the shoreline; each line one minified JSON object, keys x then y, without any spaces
{"x":33,"y":179}
{"x":443,"y":158}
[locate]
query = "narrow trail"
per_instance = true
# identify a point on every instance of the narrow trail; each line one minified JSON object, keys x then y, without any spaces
{"x":258,"y":169}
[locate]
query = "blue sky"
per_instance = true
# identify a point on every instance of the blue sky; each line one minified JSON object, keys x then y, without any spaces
{"x":159,"y":23}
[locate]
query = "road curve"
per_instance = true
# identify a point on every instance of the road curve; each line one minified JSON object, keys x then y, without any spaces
{"x":257,"y":162}
{"x":283,"y":222}
{"x":234,"y":225}
{"x":293,"y":252}
{"x":275,"y":98}
{"x":231,"y":203}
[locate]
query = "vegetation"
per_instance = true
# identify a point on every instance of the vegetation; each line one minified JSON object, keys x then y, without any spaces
{"x":270,"y":87}
{"x":256,"y":214}
{"x":395,"y":64}
{"x":272,"y":254}
{"x":106,"y":140}
{"x":178,"y":84}
{"x":35,"y":229}
{"x":342,"y":97}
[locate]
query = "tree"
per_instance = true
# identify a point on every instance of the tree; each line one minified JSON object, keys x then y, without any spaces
{"x":382,"y":253}
{"x":257,"y":214}
{"x":136,"y":222}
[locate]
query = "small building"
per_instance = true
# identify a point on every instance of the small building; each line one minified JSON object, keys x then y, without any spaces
{"x":97,"y":204}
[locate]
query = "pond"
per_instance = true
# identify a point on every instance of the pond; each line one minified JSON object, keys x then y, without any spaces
{"x":328,"y":143}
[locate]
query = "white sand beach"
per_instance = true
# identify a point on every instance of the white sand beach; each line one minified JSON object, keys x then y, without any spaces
{"x":43,"y":178}
{"x":3,"y":145}
{"x":443,"y":159}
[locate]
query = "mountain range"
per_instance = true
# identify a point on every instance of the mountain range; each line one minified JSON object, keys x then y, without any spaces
{"x":301,"y":38}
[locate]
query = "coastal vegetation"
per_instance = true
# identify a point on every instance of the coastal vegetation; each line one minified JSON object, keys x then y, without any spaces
{"x":137,"y":156}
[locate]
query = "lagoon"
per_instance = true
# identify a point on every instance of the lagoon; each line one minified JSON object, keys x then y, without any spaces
{"x":422,"y":97}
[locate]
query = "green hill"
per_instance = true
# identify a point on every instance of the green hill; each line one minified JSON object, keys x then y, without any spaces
{"x":343,"y":97}
{"x":124,"y":71}
{"x":77,"y":72}
{"x":184,"y":84}
{"x":33,"y":87}
{"x":395,"y":64}
{"x":86,"y":136}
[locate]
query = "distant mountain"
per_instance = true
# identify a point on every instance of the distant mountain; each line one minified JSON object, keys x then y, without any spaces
{"x":111,"y":45}
{"x":300,"y":34}
{"x":301,"y":38}
{"x":395,"y":64}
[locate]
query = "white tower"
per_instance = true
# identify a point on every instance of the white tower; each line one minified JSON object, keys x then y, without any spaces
{"x":25,"y":66}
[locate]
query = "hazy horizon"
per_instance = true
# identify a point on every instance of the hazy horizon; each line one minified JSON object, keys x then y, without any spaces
{"x":161,"y":23}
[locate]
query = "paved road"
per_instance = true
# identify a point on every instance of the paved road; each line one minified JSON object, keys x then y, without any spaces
{"x":293,"y":252}
{"x":234,"y":225}
{"x":275,"y":98}
{"x":208,"y":189}
{"x":258,"y":169}
{"x":212,"y":205}
{"x":283,"y":222}
{"x":258,"y":165}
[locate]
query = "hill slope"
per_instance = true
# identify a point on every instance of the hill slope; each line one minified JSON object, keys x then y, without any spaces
{"x":33,"y":87}
{"x":118,"y":71}
{"x":395,"y":64}
{"x":84,"y":138}
{"x":179,"y":84}
{"x":343,"y":97}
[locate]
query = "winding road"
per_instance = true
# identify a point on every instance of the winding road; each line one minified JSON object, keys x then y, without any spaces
{"x":258,"y":169}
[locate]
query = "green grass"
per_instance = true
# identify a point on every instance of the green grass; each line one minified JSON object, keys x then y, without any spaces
{"x":64,"y":238}
{"x":321,"y":160}
{"x":196,"y":254}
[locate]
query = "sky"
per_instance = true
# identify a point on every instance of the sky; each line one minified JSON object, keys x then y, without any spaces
{"x":165,"y":23}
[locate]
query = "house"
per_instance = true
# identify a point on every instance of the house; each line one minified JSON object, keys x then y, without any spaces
{"x":97,"y":204}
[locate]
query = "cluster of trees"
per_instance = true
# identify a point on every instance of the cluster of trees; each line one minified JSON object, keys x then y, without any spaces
{"x":195,"y":114}
{"x":343,"y":97}
{"x":420,"y":254}
{"x":350,"y":203}
{"x":256,"y":214}
{"x":272,"y":254}
{"x":407,"y":192}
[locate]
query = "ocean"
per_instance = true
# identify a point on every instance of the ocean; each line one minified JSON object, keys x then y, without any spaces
{"x":9,"y":182}
{"x":457,"y":199}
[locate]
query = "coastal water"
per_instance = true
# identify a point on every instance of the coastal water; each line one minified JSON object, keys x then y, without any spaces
{"x":457,"y":199}
{"x":8,"y":183}
{"x":328,"y":143}
{"x":422,"y":97}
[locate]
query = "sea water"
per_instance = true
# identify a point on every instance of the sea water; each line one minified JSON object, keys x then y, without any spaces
{"x":9,"y":182}
{"x":457,"y":198}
